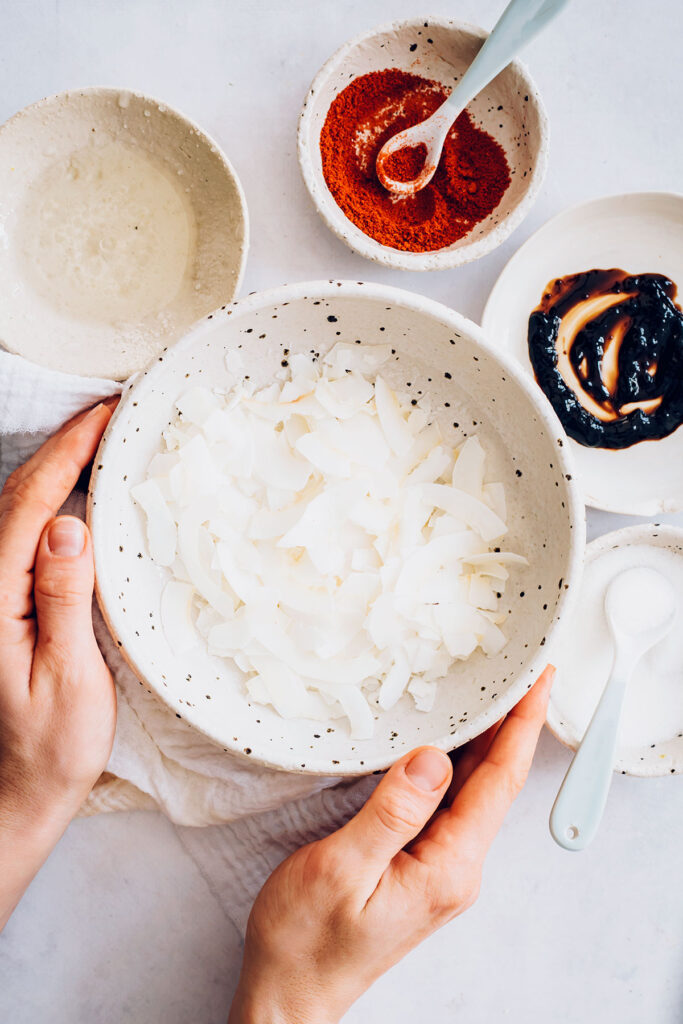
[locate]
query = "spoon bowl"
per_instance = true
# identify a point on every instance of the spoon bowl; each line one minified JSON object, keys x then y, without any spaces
{"x":519,"y":23}
{"x":640,"y":607}
{"x":431,"y":134}
{"x":440,"y":50}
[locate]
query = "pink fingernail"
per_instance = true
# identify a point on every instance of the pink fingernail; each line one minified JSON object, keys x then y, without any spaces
{"x":93,"y":412}
{"x":428,"y":770}
{"x":66,"y":537}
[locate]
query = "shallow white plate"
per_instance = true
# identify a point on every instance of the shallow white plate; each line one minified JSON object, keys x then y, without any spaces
{"x":651,"y":734}
{"x":473,"y":390}
{"x":121,"y":224}
{"x":509,"y":108}
{"x":640,"y":233}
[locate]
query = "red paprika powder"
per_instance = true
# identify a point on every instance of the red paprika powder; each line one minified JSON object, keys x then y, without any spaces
{"x":468,"y":184}
{"x":406,"y":163}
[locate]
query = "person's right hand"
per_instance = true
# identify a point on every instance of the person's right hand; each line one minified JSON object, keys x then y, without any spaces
{"x":341,"y":911}
{"x":57,"y":698}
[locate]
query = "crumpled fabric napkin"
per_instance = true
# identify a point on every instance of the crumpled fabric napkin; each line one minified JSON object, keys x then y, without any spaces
{"x":189,"y":779}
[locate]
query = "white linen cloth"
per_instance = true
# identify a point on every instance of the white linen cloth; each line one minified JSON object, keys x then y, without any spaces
{"x":162,"y":760}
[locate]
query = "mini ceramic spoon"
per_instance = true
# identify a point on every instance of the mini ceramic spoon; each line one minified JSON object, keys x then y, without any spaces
{"x":518,"y":24}
{"x":640,"y":605}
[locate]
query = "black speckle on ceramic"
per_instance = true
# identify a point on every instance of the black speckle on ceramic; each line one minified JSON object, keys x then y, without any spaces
{"x":438,"y":357}
{"x":116,"y":346}
{"x":509,"y":108}
{"x":655,"y":759}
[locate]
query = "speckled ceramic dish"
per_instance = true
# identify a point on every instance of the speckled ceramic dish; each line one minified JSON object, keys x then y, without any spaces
{"x":651,"y":731}
{"x":121,"y":224}
{"x":641,"y":233}
{"x":510,"y":108}
{"x":472,"y":390}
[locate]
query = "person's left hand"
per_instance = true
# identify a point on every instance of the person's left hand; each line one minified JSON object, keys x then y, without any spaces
{"x":57,"y":698}
{"x":341,"y":911}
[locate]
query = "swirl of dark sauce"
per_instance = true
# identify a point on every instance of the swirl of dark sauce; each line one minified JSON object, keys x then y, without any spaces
{"x":607,"y":349}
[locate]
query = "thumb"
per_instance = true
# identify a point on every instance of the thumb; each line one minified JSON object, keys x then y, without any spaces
{"x":63,"y":584}
{"x":399,"y":808}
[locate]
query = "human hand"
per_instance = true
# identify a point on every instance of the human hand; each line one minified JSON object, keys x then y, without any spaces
{"x":57,"y":698}
{"x":340,"y":912}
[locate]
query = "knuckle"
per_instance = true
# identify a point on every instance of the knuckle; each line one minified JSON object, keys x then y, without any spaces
{"x":327,"y":862}
{"x":12,"y":481}
{"x":60,"y":588}
{"x":469,"y":893}
{"x":396,"y":814}
{"x":24,"y":492}
{"x":21,"y":490}
{"x":516,"y":779}
{"x":327,"y":882}
{"x":324,"y":861}
{"x":448,"y":897}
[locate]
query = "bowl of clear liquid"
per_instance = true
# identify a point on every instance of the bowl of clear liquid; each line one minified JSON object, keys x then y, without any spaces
{"x":121,"y":224}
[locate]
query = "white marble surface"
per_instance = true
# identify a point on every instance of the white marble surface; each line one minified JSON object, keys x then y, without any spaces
{"x":120,"y":926}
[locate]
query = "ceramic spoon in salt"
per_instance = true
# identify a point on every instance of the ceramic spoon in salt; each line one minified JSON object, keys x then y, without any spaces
{"x":518,"y":24}
{"x":640,"y":606}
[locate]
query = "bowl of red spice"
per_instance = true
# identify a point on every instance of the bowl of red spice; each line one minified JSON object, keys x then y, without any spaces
{"x":492,"y":164}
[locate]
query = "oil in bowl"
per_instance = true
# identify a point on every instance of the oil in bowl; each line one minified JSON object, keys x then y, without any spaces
{"x":121,"y":224}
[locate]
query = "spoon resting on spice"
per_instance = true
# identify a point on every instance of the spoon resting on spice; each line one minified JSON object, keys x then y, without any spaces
{"x":640,"y":605}
{"x":518,"y":24}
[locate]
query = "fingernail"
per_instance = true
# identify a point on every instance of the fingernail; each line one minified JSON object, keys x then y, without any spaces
{"x":66,"y":537}
{"x":93,"y":412}
{"x":428,"y":770}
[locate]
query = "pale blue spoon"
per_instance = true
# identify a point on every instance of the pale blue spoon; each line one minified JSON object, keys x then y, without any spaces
{"x":518,"y":24}
{"x":640,"y":606}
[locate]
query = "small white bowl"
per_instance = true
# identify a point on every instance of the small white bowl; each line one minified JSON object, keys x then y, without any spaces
{"x":641,"y":233}
{"x":651,"y":737}
{"x":439,"y":49}
{"x":440,"y":353}
{"x":121,"y":224}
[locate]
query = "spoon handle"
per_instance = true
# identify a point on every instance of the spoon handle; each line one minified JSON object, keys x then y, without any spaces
{"x":580,"y":803}
{"x":518,"y":24}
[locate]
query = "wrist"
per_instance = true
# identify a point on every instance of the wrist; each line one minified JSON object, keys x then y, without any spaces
{"x":33,"y":817}
{"x":273,"y":1004}
{"x":30,"y":808}
{"x":28,"y":833}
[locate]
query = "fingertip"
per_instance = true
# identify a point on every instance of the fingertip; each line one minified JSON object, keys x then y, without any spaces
{"x":102,"y":412}
{"x":82,"y":435}
{"x":429,"y":769}
{"x":546,"y":678}
{"x":534,"y":703}
{"x":66,"y":537}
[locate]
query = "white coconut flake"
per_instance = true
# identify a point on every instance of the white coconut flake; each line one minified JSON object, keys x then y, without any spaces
{"x":176,"y":616}
{"x":468,"y":472}
{"x":322,"y":534}
{"x":396,"y":430}
{"x":161,"y":527}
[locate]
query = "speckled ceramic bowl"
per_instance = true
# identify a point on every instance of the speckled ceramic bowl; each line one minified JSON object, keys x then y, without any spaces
{"x":571,"y":705}
{"x":473,"y":389}
{"x":510,"y":109}
{"x":46,"y":152}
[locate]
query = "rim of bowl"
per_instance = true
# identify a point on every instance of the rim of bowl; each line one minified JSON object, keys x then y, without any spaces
{"x":438,"y":259}
{"x":113,"y":91}
{"x":417,"y":303}
{"x":619,"y":538}
{"x":672,"y":507}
